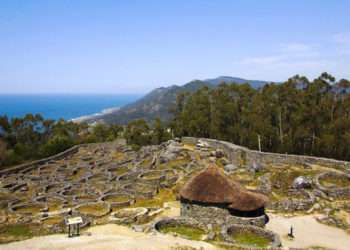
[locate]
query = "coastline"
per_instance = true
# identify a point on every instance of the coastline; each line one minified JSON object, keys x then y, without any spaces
{"x":62,"y":106}
{"x":94,"y":116}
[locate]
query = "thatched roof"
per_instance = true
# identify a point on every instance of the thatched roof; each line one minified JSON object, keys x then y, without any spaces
{"x":212,"y":186}
{"x":248,"y":201}
{"x":209,"y":186}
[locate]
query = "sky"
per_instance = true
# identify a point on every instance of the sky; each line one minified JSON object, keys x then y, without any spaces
{"x":130,"y":46}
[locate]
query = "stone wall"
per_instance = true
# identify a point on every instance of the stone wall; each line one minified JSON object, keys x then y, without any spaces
{"x":243,"y":156}
{"x":333,"y":191}
{"x":34,"y":164}
{"x":177,"y":221}
{"x":231,"y":230}
{"x":292,"y":204}
{"x":59,"y":156}
{"x":218,"y":216}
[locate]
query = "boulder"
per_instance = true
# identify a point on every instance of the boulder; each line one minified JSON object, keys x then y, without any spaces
{"x":302,"y":182}
{"x":230,"y":168}
{"x":219,"y":153}
{"x":256,"y":167}
{"x":210,"y":236}
{"x":172,"y":150}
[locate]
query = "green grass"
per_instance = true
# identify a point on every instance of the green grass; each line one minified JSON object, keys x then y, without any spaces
{"x":10,"y":233}
{"x":189,"y":232}
{"x":17,"y":230}
{"x":248,"y":238}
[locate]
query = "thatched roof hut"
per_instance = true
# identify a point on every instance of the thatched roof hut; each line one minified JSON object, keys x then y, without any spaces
{"x":211,"y":186}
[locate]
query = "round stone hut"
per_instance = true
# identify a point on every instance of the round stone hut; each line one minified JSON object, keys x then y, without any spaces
{"x":212,"y":198}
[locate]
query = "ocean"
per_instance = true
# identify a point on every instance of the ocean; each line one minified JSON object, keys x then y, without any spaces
{"x":66,"y":106}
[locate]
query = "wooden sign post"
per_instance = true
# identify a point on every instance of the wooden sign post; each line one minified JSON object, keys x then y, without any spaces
{"x":74,"y":226}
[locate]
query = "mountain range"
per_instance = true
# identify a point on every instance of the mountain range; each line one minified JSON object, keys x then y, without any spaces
{"x":158,"y":102}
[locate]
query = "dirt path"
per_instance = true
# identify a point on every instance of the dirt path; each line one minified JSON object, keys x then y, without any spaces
{"x":106,"y":237}
{"x":308,"y":232}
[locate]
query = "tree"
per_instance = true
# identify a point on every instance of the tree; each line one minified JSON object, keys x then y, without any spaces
{"x":159,"y":134}
{"x":196,"y":114}
{"x":298,"y":116}
{"x":3,"y":149}
{"x":56,"y":145}
{"x":137,"y":132}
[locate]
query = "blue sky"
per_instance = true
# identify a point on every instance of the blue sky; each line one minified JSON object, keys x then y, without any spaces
{"x":131,"y":46}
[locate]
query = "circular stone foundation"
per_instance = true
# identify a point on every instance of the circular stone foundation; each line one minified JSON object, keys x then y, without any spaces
{"x":250,"y":237}
{"x":334,"y":184}
{"x":141,"y":190}
{"x":298,"y":200}
{"x":118,"y":199}
{"x":54,"y":221}
{"x":183,"y":226}
{"x":154,"y":177}
{"x":119,"y":170}
{"x":28,"y":208}
{"x":93,"y":209}
{"x":128,"y":215}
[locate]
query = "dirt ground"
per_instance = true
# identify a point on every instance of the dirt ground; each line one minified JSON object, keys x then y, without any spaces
{"x":109,"y":236}
{"x":308,"y":232}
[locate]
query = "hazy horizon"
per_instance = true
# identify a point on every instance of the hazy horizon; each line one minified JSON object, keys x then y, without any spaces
{"x":119,"y":47}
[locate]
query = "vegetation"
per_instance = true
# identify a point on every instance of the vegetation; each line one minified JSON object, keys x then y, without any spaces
{"x":340,"y":181}
{"x":93,"y":209}
{"x":164,"y":195}
{"x":187,"y":231}
{"x":10,"y":233}
{"x":297,"y":117}
{"x":138,"y":133}
{"x":17,"y":230}
{"x":32,"y":137}
{"x":249,"y":238}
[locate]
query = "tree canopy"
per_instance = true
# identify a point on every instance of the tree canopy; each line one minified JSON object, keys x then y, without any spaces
{"x":297,"y":117}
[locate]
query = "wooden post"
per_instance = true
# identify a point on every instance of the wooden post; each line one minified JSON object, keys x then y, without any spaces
{"x":259,"y":142}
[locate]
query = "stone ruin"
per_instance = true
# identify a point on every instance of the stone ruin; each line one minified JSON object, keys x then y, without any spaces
{"x":104,"y":181}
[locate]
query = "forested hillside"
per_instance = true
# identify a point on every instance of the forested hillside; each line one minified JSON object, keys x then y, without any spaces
{"x":158,"y":102}
{"x":298,"y":116}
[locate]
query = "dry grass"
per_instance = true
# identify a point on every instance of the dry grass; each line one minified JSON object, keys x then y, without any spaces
{"x":93,"y":209}
{"x":340,"y":181}
{"x":33,"y":209}
{"x":53,"y":220}
{"x":117,"y":199}
{"x":164,"y":195}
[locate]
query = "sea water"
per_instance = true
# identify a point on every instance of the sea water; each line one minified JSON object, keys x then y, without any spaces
{"x":66,"y":106}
